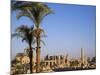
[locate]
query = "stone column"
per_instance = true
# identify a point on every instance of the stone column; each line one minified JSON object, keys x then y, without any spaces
{"x":49,"y":64}
{"x":55,"y":60}
{"x":58,"y":60}
{"x":64,"y":60}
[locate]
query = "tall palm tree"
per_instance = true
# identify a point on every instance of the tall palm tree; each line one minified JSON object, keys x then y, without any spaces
{"x":26,"y":34}
{"x":36,"y":11}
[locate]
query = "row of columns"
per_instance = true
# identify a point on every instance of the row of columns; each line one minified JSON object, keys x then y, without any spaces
{"x":58,"y":60}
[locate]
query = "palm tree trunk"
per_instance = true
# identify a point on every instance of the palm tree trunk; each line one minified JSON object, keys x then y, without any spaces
{"x":38,"y":55}
{"x":31,"y":58}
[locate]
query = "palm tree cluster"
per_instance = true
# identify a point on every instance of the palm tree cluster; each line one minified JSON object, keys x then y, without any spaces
{"x":35,"y":11}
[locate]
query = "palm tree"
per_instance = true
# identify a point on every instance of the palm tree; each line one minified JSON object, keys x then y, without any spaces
{"x":36,"y":11}
{"x":27,"y":35}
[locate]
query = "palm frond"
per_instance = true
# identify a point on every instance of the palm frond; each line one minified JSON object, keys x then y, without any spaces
{"x":23,"y":13}
{"x":22,"y":29}
{"x":16,"y":35}
{"x":43,"y":42}
{"x":33,"y":42}
{"x":43,"y":36}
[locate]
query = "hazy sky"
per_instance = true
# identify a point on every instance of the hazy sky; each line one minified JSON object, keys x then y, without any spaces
{"x":69,"y":29}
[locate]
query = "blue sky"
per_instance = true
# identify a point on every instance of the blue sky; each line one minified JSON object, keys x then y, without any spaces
{"x":70,"y":28}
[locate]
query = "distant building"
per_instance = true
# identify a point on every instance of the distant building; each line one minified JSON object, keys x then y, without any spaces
{"x":21,"y":57}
